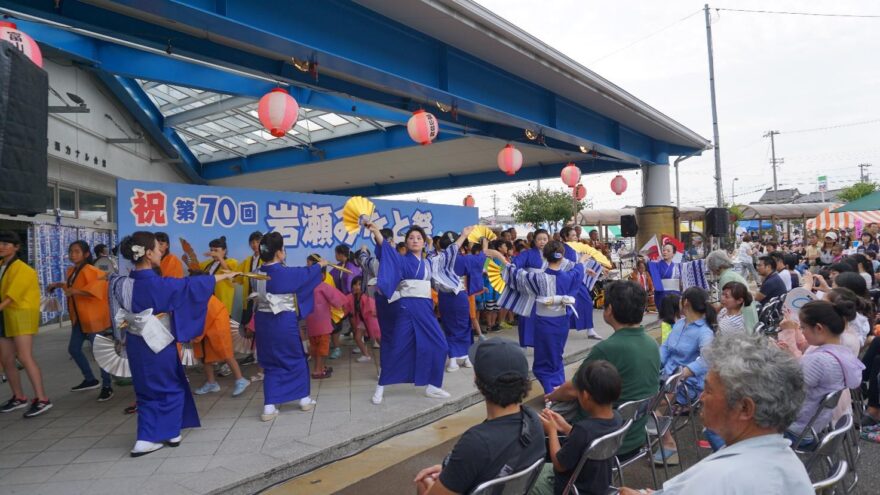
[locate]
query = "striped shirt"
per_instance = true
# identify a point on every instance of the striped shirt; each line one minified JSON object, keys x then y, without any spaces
{"x":730,"y":323}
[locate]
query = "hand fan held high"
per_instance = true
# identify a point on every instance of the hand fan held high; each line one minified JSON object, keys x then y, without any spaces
{"x":356,"y":211}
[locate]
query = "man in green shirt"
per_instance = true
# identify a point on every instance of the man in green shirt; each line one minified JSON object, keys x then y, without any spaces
{"x":632,"y":351}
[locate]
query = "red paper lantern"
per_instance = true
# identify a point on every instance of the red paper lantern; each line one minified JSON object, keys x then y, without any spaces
{"x":579,"y":192}
{"x":618,"y":184}
{"x":571,"y":174}
{"x":469,"y":201}
{"x":278,"y":112}
{"x":510,"y":160}
{"x":9,"y":32}
{"x":422,"y":127}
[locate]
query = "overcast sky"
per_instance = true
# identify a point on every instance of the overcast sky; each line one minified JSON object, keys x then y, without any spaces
{"x":780,"y":72}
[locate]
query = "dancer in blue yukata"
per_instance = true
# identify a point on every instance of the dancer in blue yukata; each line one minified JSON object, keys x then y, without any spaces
{"x":583,"y":319}
{"x":531,"y":260}
{"x":158,"y":312}
{"x":418,"y":354}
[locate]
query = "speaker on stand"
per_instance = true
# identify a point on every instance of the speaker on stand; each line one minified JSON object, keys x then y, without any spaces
{"x":24,"y":116}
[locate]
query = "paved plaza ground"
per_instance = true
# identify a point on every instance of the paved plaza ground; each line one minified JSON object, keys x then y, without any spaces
{"x":81,"y":446}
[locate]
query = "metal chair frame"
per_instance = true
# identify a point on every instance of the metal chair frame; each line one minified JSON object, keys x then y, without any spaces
{"x":828,"y":402}
{"x":633,"y":410}
{"x":828,"y":486}
{"x":600,"y":449}
{"x":662,"y":423}
{"x":530,"y":472}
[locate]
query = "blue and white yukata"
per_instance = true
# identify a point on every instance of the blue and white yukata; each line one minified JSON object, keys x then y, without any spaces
{"x":165,"y":403}
{"x":669,"y":277}
{"x":281,"y":301}
{"x":455,"y":310}
{"x":582,"y":318}
{"x":418,"y":352}
{"x":551,"y":297}
{"x":532,"y":261}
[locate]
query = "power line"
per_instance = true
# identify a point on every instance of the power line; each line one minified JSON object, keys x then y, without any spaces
{"x":838,"y":126}
{"x":812,"y":14}
{"x":643,"y":38}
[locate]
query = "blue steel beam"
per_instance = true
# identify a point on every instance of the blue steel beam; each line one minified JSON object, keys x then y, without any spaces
{"x":139,"y":64}
{"x":138,"y":104}
{"x":450,"y":181}
{"x":359,"y":51}
{"x":331,"y":149}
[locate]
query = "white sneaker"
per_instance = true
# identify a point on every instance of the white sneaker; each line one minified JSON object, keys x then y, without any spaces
{"x":466,"y":363}
{"x":270,"y":412}
{"x":591,"y":334}
{"x":452,"y":366}
{"x":307,"y":404}
{"x":355,"y":350}
{"x":143,"y":447}
{"x":364,"y":359}
{"x":376,"y":344}
{"x":436,"y":393}
{"x":378,"y":395}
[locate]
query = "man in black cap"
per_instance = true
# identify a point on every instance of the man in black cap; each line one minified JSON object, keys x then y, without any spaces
{"x":509,"y":440}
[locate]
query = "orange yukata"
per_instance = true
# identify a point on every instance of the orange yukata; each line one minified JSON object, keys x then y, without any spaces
{"x":171,"y":266}
{"x":92,"y":312}
{"x":215,"y":345}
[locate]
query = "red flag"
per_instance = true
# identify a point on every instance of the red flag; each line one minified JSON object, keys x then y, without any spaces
{"x":668,"y":239}
{"x":651,"y":249}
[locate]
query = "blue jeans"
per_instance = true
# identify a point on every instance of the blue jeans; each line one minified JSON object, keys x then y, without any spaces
{"x":74,"y":348}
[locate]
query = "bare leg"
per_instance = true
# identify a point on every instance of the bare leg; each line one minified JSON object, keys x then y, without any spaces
{"x":7,"y":355}
{"x":319,"y":363}
{"x":24,"y":348}
{"x":359,"y":341}
{"x":209,"y":372}
{"x":233,"y":364}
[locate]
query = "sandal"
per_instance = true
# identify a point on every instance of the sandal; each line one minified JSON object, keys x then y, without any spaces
{"x":871,"y":436}
{"x":322,"y":375}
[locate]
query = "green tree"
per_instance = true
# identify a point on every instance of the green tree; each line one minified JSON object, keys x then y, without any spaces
{"x":856,"y":191}
{"x":538,"y":207}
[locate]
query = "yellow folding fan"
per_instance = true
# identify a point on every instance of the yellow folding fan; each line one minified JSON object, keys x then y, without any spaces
{"x":356,"y":210}
{"x":581,"y":248}
{"x":481,"y":231}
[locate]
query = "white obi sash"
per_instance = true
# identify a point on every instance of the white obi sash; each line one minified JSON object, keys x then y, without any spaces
{"x":412,"y":288}
{"x":153,"y":329}
{"x":267,"y":302}
{"x":554,"y":306}
{"x":672,"y":284}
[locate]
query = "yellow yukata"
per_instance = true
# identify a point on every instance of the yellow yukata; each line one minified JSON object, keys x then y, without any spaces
{"x":225,"y":289}
{"x":19,"y":283}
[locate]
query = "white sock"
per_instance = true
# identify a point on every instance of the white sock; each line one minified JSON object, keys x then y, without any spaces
{"x":305,"y":401}
{"x":378,"y":394}
{"x":269,"y":409}
{"x":145,"y":446}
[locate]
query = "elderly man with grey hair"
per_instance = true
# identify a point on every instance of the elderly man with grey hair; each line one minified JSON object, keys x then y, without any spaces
{"x":722,"y":267}
{"x":753,"y":391}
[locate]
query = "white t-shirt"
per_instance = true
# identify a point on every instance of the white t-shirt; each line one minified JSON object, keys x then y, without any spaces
{"x":744,"y":255}
{"x":867,"y":277}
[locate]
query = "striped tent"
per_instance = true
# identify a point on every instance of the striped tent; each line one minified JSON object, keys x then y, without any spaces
{"x":827,"y":220}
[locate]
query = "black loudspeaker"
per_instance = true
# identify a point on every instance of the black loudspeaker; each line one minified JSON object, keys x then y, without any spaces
{"x":717,"y":222}
{"x":628,"y":226}
{"x":24,"y":100}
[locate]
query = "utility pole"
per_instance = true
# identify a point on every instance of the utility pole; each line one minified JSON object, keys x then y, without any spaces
{"x":774,"y":161}
{"x":719,"y":200}
{"x":494,"y":204}
{"x":862,"y":173}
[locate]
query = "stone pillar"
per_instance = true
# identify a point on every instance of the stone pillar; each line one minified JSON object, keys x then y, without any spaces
{"x":656,"y":216}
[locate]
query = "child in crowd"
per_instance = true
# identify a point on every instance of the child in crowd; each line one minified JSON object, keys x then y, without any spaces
{"x":215,"y":346}
{"x":362,"y":309}
{"x":670,"y":312}
{"x":734,"y":296}
{"x":598,"y":387}
{"x":320,"y":326}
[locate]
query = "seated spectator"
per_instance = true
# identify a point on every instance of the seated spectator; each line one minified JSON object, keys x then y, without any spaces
{"x":779,"y":260}
{"x":753,"y":391}
{"x":828,"y":368}
{"x":629,"y":349}
{"x":598,"y":387}
{"x":734,"y":297}
{"x":683,"y":349}
{"x":670,"y":312}
{"x":510,"y":439}
{"x":772,"y":286}
{"x":722,"y":267}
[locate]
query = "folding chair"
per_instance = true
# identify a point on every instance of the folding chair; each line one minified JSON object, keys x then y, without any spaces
{"x":829,"y":486}
{"x":633,"y":410}
{"x":512,"y":484}
{"x":829,"y":449}
{"x":828,"y":403}
{"x":658,"y":426}
{"x":600,"y":449}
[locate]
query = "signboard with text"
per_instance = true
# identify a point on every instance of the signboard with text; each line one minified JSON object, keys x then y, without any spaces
{"x":310,"y":223}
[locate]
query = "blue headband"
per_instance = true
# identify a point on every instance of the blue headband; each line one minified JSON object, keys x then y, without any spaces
{"x":557,"y":256}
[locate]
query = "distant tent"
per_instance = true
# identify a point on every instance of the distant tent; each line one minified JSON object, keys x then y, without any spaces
{"x":867,"y":208}
{"x":829,"y":220}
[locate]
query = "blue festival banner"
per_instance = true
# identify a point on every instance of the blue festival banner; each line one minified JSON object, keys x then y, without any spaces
{"x":310,"y":223}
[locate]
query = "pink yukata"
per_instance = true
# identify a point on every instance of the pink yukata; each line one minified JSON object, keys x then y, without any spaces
{"x":319,"y":321}
{"x":365,"y":315}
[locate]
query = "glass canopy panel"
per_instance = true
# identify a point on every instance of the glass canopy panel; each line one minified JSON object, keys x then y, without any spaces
{"x":218,"y":126}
